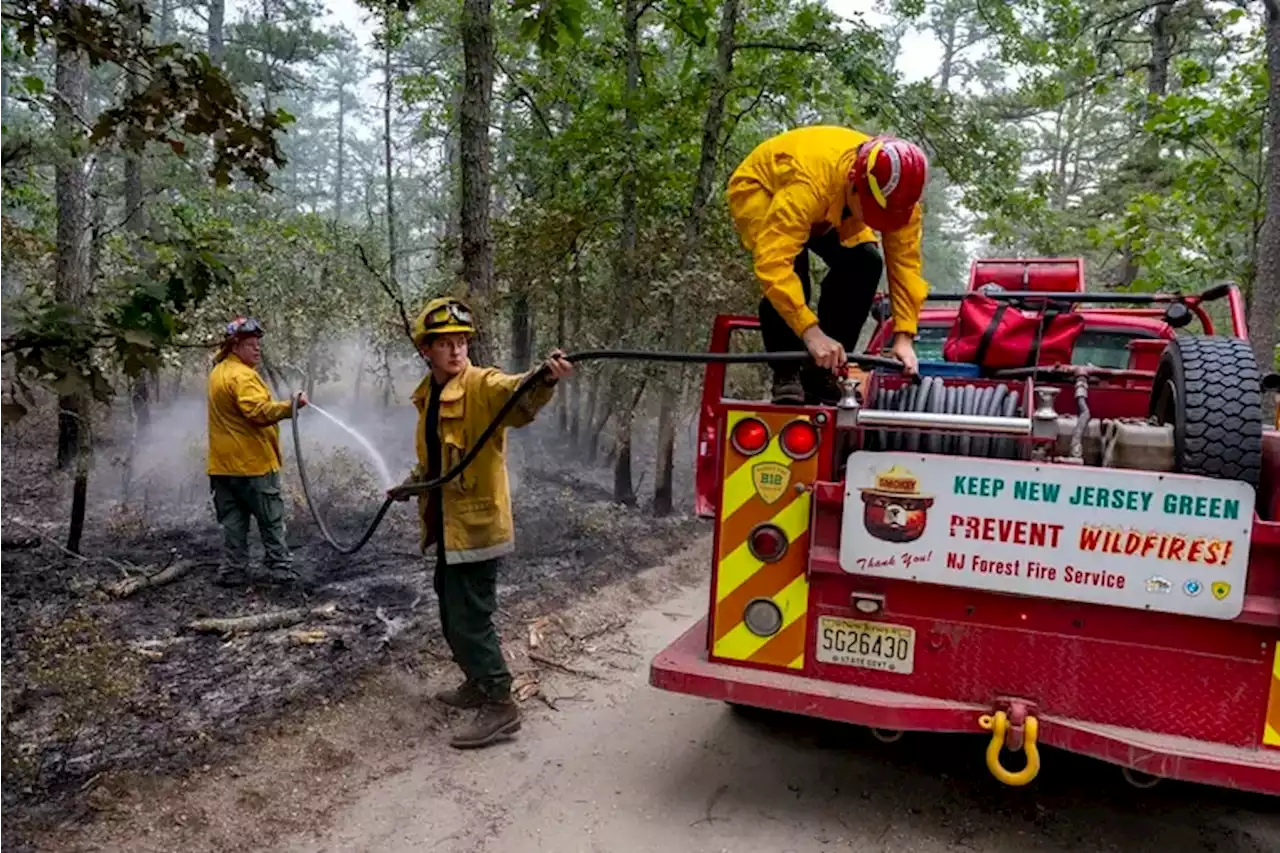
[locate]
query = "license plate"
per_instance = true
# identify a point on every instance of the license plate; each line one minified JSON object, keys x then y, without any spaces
{"x":870,"y":645}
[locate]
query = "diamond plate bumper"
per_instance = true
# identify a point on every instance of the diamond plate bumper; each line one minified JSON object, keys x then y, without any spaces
{"x":683,"y":667}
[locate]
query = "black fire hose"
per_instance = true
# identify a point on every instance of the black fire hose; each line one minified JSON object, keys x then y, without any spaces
{"x":407,"y":490}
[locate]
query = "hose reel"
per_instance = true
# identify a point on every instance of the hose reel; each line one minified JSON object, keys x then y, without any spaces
{"x":934,"y":396}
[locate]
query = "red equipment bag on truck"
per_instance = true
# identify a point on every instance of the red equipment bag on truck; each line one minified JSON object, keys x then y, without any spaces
{"x":997,"y":335}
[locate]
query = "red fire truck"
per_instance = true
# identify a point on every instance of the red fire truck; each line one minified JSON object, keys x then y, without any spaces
{"x":1079,"y":547}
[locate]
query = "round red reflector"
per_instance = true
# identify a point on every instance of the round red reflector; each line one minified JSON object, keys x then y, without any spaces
{"x":750,"y":436}
{"x":767,"y":542}
{"x":799,"y":439}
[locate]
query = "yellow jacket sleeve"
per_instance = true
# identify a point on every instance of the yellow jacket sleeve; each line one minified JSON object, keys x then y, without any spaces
{"x":256,"y":404}
{"x":907,"y":287}
{"x":794,"y":211}
{"x":498,"y":388}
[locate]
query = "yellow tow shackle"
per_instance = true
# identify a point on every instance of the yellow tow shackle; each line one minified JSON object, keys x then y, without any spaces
{"x":998,"y":725}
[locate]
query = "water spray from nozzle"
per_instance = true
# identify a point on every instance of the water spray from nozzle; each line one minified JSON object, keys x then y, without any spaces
{"x":383,"y":471}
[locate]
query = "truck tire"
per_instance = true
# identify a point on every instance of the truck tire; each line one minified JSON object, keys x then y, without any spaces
{"x":1209,"y":389}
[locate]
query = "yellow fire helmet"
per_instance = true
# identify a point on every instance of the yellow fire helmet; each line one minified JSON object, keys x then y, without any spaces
{"x":443,"y":316}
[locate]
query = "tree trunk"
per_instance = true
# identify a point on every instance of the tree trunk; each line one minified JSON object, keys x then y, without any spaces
{"x":1148,"y":157}
{"x":522,"y":332}
{"x":80,"y":488}
{"x":164,"y":31}
{"x":388,"y":183}
{"x":575,"y":331}
{"x":72,"y":267}
{"x":673,"y":385}
{"x":136,"y":223}
{"x":664,"y":483}
{"x":948,"y":38}
{"x":339,"y":180}
{"x":453,"y":187}
{"x":385,"y":378}
{"x":71,"y":188}
{"x":361,"y":354}
{"x":629,"y":230}
{"x":562,"y":321}
{"x":1265,"y":301}
{"x":590,"y":435}
{"x":473,"y":132}
{"x":623,"y":492}
{"x":313,"y":367}
{"x":217,"y":46}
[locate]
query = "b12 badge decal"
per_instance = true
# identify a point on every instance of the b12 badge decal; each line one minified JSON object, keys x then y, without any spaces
{"x":1220,"y":589}
{"x":770,"y":480}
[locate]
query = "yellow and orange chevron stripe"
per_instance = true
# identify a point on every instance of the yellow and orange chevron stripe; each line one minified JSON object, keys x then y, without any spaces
{"x":1271,"y":726}
{"x":748,"y":499}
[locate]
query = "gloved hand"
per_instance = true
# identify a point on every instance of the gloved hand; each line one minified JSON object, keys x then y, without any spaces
{"x":398,"y":493}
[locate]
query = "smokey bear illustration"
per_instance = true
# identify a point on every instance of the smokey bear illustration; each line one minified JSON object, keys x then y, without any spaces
{"x":895,"y":510}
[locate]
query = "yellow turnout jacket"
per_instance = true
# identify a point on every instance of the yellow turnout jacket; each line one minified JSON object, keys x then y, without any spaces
{"x":244,"y":440}
{"x":792,"y":187}
{"x":477,"y":504}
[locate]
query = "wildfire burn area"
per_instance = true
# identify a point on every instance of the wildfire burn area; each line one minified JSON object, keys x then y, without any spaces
{"x":98,"y":681}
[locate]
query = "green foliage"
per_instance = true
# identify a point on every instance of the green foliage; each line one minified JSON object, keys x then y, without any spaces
{"x":1043,"y":135}
{"x":75,"y":348}
{"x":550,"y":23}
{"x":184,"y":92}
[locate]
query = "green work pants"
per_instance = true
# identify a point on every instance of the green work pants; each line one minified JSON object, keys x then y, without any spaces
{"x":468,"y":596}
{"x":238,"y":499}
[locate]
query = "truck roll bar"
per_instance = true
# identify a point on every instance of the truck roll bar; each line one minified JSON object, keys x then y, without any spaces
{"x":1042,"y":424}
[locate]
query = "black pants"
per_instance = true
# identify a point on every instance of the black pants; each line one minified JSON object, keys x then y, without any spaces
{"x":845,"y":301}
{"x":468,"y":596}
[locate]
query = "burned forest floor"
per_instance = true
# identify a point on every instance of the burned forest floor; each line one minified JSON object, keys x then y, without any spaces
{"x":99,"y":684}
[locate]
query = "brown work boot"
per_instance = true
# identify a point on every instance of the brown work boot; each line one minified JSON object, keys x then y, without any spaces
{"x":787,"y":387}
{"x":497,"y":720}
{"x":466,"y":695}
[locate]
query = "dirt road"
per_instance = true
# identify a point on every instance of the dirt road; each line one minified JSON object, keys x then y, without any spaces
{"x":624,"y":768}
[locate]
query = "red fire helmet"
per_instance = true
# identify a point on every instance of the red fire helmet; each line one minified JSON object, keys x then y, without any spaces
{"x":889,"y":176}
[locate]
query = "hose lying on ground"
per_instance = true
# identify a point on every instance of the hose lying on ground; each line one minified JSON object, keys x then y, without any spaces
{"x":410,"y":489}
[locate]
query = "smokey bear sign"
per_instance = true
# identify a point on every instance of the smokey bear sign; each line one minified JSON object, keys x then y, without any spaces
{"x":1148,"y":541}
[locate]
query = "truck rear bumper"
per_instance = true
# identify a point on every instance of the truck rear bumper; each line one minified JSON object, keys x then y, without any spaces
{"x":683,"y":667}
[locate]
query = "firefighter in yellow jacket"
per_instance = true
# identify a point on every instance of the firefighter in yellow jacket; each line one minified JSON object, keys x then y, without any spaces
{"x":826,"y":190}
{"x":469,"y":519}
{"x":244,"y":455}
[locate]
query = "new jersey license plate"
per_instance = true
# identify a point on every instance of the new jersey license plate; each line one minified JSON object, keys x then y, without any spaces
{"x":870,"y":645}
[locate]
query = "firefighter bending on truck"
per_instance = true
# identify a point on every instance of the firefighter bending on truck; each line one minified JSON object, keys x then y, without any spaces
{"x":825,"y":190}
{"x":244,"y":456}
{"x":469,"y":519}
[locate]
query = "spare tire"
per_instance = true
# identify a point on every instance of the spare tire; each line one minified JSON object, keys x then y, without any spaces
{"x":1209,"y":389}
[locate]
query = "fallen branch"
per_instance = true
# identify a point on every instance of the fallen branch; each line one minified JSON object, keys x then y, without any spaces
{"x":260,"y":621}
{"x":307,"y":638}
{"x":555,"y":664}
{"x":525,"y":686}
{"x":606,"y":629}
{"x":124,"y":568}
{"x":134,"y":585}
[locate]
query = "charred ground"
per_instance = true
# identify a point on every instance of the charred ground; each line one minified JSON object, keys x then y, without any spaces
{"x":95,"y":684}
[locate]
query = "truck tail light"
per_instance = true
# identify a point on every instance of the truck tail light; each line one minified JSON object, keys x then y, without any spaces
{"x":767,"y":542}
{"x":799,"y":439}
{"x":750,"y":436}
{"x":762,"y":617}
